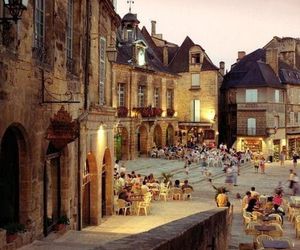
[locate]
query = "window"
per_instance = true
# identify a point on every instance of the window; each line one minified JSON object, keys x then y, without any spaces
{"x":296,"y":118}
{"x":102,"y":50}
{"x":121,"y":95}
{"x":141,"y":96}
{"x":70,"y":30}
{"x":195,"y":58}
{"x":277,"y":99}
{"x":141,"y":57}
{"x":276,"y":121}
{"x":292,"y":116}
{"x":129,"y":35}
{"x":195,"y":111}
{"x":195,"y":80}
{"x":39,"y":24}
{"x":251,"y":95}
{"x":251,"y":126}
{"x":156,"y":98}
{"x":170,"y":99}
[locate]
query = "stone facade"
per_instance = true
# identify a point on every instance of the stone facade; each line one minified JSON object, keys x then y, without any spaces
{"x":276,"y":105}
{"x":37,"y":78}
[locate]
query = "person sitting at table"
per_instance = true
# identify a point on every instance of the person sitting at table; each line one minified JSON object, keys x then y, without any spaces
{"x":125,"y":194}
{"x":246,"y":199}
{"x":278,"y":210}
{"x":186,"y":185}
{"x":278,"y":198}
{"x":251,"y":205}
{"x":177,"y":184}
{"x":151,"y":178}
{"x":253,"y":192}
{"x":222,"y":199}
{"x":269,"y":204}
{"x":144,"y":188}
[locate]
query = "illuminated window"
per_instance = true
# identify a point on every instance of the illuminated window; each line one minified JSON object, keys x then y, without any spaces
{"x":195,"y":110}
{"x":156,"y":97}
{"x":170,"y":96}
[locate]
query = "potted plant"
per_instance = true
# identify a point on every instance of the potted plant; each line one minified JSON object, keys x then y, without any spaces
{"x":158,"y":111}
{"x":62,"y":222}
{"x":170,"y":112}
{"x":122,"y":111}
{"x":12,"y":230}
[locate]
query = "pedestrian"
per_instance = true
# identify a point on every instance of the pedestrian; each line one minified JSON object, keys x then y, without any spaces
{"x":295,"y":158}
{"x":295,"y":184}
{"x":256,"y":164}
{"x":291,"y":179}
{"x":187,"y":167}
{"x":282,"y":158}
{"x":222,"y":199}
{"x":235,"y":172}
{"x":229,"y":178}
{"x":262,"y":165}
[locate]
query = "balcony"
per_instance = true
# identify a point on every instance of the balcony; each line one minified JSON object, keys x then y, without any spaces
{"x":251,"y":132}
{"x":122,"y":111}
{"x":148,"y":111}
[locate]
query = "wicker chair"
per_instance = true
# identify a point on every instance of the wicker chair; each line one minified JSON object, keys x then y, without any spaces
{"x":262,"y":237}
{"x":123,"y":206}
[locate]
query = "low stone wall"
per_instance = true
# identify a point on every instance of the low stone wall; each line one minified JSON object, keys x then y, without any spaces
{"x":205,"y":230}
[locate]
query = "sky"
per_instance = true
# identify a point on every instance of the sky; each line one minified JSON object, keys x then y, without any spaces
{"x":221,"y":27}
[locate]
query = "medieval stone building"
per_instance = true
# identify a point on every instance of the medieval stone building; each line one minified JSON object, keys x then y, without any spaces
{"x":157,"y":91}
{"x":261,"y":101}
{"x":57,"y":120}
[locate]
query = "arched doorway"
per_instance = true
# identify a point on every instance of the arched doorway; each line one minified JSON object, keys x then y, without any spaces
{"x":121,"y":144}
{"x":90,"y":197}
{"x":157,"y":136}
{"x":170,"y":135}
{"x":142,"y":138}
{"x":107,"y":185}
{"x":86,"y":195}
{"x":52,"y":188}
{"x":9,"y":178}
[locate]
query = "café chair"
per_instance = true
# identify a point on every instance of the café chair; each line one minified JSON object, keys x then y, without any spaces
{"x":257,"y":215}
{"x":177,"y":193}
{"x":297,"y":226}
{"x":278,"y":232}
{"x":187,"y":193}
{"x":260,"y":238}
{"x":250,"y":228}
{"x":287,"y":239}
{"x":277,"y":218}
{"x":123,"y":206}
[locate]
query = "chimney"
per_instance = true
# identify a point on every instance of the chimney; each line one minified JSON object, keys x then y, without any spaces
{"x":153,"y":28}
{"x":165,"y":55}
{"x":241,"y":54}
{"x":222,"y":68}
{"x":272,"y":59}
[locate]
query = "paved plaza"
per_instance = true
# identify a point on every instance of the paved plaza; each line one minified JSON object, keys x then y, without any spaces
{"x":116,"y":227}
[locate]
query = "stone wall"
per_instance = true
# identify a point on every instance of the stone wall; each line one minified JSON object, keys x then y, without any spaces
{"x":205,"y":230}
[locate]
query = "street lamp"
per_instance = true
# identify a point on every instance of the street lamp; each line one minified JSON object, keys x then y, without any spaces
{"x":15,"y":8}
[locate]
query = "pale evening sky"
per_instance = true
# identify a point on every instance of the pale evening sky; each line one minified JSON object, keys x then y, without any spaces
{"x":221,"y":27}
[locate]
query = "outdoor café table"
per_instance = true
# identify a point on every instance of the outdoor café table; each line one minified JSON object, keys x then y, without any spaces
{"x":275,"y":244}
{"x":264,"y":229}
{"x":295,"y":200}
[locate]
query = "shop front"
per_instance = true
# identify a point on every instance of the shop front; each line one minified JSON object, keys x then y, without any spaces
{"x":252,"y":144}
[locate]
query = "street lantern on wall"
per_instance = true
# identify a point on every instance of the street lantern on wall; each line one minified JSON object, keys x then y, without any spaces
{"x":15,"y":9}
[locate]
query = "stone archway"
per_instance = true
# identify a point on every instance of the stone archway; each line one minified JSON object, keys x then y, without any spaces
{"x":170,"y":135}
{"x":107,"y":185}
{"x":157,"y":136}
{"x":15,"y":177}
{"x":142,"y":140}
{"x":90,"y":197}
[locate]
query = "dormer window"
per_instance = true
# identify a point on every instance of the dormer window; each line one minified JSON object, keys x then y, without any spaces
{"x":129,"y":35}
{"x":195,"y":58}
{"x":141,"y":57}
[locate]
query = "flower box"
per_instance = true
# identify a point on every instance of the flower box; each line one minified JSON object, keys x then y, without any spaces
{"x":170,"y":112}
{"x":122,"y":111}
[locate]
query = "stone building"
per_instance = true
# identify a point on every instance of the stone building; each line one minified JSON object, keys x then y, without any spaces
{"x":156,"y":85}
{"x":57,"y":120}
{"x":261,"y":101}
{"x":143,"y":93}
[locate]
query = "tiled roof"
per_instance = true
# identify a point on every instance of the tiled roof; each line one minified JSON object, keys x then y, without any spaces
{"x":252,"y":71}
{"x":180,"y":62}
{"x":288,"y":74}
